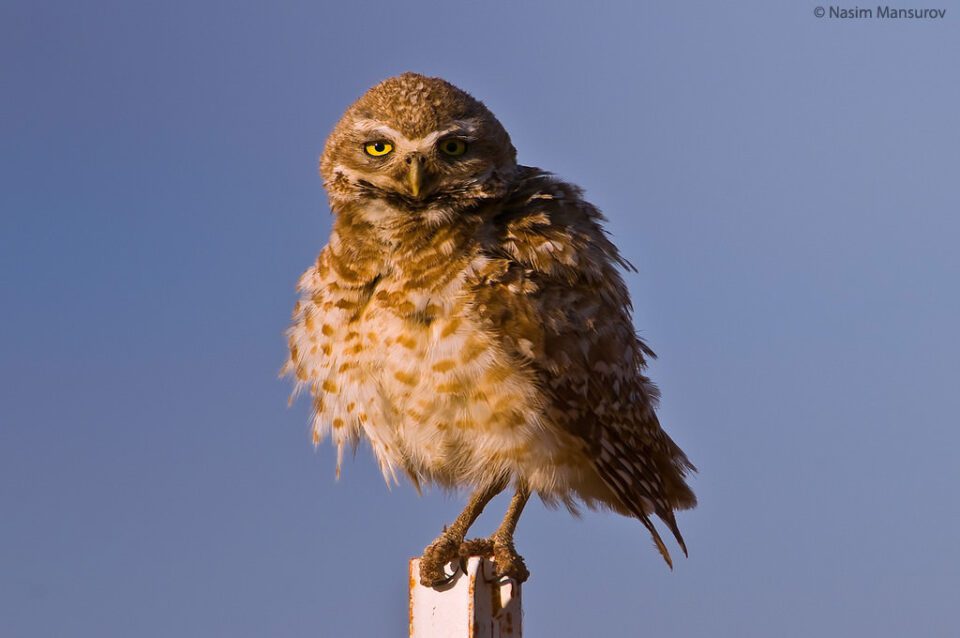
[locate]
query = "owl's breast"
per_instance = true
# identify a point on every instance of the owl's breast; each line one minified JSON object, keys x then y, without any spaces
{"x":417,"y":360}
{"x":413,"y":368}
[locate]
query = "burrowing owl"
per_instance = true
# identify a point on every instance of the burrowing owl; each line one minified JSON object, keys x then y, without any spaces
{"x":468,"y":318}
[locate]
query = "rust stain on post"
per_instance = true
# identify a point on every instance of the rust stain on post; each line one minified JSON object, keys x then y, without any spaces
{"x":411,"y":581}
{"x":471,"y":606}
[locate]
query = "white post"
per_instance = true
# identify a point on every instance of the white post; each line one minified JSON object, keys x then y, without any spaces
{"x":474,"y":604}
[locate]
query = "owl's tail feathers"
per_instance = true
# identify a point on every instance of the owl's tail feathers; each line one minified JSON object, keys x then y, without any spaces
{"x":673,"y":466}
{"x":677,"y":494}
{"x":642,"y":507}
{"x":667,"y":517}
{"x":657,"y":541}
{"x":671,"y":522}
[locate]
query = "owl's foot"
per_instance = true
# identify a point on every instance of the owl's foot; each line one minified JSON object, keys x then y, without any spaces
{"x":476,"y":547}
{"x":435,"y":557}
{"x":506,"y":560}
{"x":446,"y":548}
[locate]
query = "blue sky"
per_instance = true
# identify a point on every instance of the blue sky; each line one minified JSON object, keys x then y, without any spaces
{"x":786,"y":185}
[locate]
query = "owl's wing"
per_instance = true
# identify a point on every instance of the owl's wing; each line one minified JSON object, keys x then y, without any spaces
{"x":567,"y":314}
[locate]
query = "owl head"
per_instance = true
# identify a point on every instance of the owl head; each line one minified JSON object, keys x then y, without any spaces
{"x":417,"y":142}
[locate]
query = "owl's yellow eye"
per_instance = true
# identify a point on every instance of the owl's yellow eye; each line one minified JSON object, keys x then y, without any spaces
{"x":453,"y":147}
{"x":378,"y":149}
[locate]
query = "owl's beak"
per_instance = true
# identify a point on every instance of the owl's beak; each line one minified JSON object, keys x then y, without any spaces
{"x":415,"y":174}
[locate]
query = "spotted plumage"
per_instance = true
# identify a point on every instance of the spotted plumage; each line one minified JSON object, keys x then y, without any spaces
{"x":468,"y":318}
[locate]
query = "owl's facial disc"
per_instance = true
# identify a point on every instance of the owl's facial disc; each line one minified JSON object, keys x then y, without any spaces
{"x":414,"y":144}
{"x":419,"y":170}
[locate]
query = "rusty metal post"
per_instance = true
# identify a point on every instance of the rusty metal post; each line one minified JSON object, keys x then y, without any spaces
{"x":474,"y":604}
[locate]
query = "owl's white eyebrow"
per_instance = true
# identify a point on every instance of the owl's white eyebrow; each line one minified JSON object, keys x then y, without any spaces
{"x":461,"y":127}
{"x":431,"y":137}
{"x":467,"y":127}
{"x":373,"y":126}
{"x":459,"y":130}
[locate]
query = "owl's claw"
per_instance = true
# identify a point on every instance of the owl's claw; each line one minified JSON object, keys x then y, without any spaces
{"x":436,"y":556}
{"x":508,"y":563}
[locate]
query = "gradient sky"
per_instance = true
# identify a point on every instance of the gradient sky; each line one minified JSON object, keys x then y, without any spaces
{"x":787,"y":186}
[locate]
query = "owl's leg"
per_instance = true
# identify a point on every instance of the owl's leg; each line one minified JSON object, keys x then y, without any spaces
{"x":500,"y":546}
{"x":447,"y":546}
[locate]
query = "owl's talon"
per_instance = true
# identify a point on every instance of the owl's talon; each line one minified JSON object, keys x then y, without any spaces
{"x":509,"y":564}
{"x":436,"y":556}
